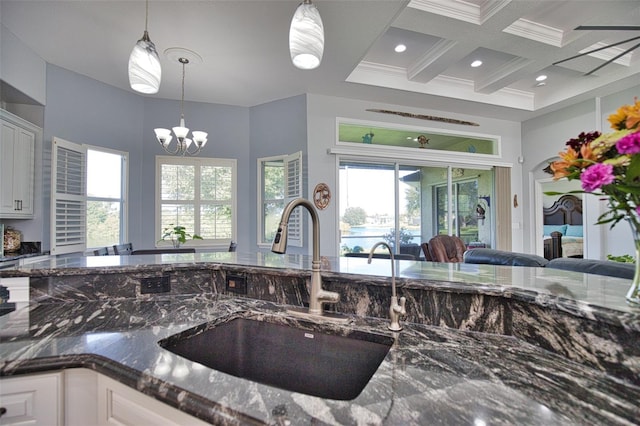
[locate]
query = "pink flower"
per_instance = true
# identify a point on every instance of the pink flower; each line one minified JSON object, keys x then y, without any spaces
{"x":638,"y":210}
{"x":596,"y":176}
{"x":629,"y":144}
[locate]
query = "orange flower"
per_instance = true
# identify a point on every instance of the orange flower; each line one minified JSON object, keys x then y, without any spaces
{"x":633,"y":116}
{"x":626,"y":117}
{"x":587,"y":154}
{"x":561,"y":168}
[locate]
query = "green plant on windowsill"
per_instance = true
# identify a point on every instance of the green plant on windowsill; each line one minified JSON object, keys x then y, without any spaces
{"x":625,"y":258}
{"x":178,"y":235}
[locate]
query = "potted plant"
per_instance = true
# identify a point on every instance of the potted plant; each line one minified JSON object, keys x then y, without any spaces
{"x":178,"y":235}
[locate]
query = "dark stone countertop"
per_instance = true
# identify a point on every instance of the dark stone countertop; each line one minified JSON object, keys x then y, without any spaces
{"x":432,"y":375}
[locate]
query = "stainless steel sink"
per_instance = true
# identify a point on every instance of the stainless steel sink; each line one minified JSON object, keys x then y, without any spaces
{"x":298,"y":360}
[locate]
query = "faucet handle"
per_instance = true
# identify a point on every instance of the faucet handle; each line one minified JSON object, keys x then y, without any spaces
{"x":403,"y":300}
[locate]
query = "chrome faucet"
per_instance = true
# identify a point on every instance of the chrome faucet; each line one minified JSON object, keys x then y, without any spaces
{"x":395,"y":310}
{"x":318,"y":296}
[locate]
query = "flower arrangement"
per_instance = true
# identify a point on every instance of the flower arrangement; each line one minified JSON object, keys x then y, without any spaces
{"x":609,"y":164}
{"x":178,"y":235}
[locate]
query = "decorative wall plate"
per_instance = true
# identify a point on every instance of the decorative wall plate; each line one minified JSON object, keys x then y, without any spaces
{"x":321,"y":196}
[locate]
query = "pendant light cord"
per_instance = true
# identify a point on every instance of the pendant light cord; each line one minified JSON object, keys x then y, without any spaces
{"x":146,"y":16}
{"x":183,"y":61}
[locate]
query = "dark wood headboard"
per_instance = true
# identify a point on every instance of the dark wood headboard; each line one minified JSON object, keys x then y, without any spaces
{"x":566,"y":210}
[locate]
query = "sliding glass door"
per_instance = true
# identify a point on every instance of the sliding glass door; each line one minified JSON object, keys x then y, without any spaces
{"x":405,"y":205}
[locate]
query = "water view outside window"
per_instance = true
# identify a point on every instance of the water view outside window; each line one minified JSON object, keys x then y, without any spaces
{"x":105,"y":198}
{"x":368,"y":214}
{"x":407,"y":205}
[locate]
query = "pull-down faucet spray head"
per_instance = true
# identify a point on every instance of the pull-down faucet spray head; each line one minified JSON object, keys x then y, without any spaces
{"x":280,"y":240}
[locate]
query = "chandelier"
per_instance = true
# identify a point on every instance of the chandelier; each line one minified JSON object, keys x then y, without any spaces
{"x":145,"y":72}
{"x":306,"y":36}
{"x":183,"y":143}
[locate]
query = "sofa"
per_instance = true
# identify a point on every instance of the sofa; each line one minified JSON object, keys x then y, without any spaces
{"x":587,"y":266}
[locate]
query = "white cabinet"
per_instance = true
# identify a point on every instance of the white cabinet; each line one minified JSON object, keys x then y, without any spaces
{"x":17,"y":155}
{"x":32,"y":400}
{"x":82,"y":397}
{"x":121,"y":405}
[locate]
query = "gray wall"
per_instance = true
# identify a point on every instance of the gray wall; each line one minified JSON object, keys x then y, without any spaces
{"x":277,"y":128}
{"x":83,"y":110}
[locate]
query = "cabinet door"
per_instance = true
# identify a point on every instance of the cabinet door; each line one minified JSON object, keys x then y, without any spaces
{"x":8,"y":137}
{"x":17,"y":154}
{"x":31,"y":400}
{"x":23,"y":158}
{"x":120,"y":405}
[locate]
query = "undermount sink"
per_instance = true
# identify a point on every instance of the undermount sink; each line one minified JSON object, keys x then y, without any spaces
{"x":298,"y":360}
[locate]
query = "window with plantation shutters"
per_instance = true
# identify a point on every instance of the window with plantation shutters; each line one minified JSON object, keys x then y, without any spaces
{"x":68,"y":197}
{"x":279,"y":181}
{"x":197,"y":193}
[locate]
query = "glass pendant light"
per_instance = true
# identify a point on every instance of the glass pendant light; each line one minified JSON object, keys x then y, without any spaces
{"x":144,"y":64}
{"x":306,"y":36}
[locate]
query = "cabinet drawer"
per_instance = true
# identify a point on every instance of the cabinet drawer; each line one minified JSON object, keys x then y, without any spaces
{"x":31,"y":400}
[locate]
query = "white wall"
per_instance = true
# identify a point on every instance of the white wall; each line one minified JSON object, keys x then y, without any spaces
{"x":543,"y":137}
{"x":321,"y":127}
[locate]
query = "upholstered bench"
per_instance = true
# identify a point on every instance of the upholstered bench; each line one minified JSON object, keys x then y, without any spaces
{"x":501,"y":257}
{"x":592,"y":266}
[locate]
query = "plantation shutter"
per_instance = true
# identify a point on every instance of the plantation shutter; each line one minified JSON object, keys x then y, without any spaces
{"x":68,"y":197}
{"x":293,"y":189}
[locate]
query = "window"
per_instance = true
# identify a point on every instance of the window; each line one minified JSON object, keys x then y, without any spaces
{"x":464,"y":201}
{"x":88,"y":197}
{"x":405,"y":205}
{"x":199,"y":194}
{"x":106,"y":197}
{"x":280,"y":181}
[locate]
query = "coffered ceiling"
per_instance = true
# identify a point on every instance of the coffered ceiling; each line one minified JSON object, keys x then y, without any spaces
{"x":244,"y":46}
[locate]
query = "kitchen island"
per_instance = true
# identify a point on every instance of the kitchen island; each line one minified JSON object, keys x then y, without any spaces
{"x":482,"y":344}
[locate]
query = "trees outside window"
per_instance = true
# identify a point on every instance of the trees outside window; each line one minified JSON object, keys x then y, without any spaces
{"x":279,"y":181}
{"x":198,"y":194}
{"x":106,"y":197}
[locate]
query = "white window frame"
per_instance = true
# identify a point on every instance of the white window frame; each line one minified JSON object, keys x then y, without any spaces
{"x":197,"y":162}
{"x":124,"y":193}
{"x":292,"y":164}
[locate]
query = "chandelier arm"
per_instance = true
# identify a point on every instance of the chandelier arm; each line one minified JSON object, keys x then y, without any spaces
{"x":168,"y":151}
{"x":196,"y":152}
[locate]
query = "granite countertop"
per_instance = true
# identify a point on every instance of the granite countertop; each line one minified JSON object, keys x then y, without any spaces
{"x":85,"y":313}
{"x":580,"y":293}
{"x":431,"y":375}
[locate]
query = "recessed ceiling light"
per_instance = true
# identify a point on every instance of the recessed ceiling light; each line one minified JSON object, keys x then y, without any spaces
{"x":476,"y":63}
{"x":400,"y":48}
{"x":541,"y":77}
